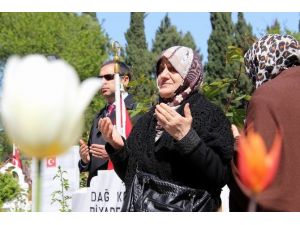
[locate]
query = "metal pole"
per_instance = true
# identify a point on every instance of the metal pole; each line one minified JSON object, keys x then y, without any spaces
{"x":116,"y":48}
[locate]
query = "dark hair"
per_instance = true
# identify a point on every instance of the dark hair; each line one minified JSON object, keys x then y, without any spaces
{"x":124,"y":68}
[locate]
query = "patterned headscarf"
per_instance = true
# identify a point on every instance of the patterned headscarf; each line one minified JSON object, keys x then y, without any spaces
{"x":270,"y":55}
{"x":187,"y":63}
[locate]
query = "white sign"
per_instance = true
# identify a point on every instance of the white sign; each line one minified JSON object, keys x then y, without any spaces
{"x":105,"y":194}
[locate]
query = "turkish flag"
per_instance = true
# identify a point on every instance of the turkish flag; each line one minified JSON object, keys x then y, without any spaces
{"x":51,"y":162}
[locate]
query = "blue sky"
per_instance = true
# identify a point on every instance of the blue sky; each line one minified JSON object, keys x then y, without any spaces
{"x":116,"y":24}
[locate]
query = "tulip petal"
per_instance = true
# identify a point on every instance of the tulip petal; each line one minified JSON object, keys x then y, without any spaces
{"x":257,"y":167}
{"x":85,"y":94}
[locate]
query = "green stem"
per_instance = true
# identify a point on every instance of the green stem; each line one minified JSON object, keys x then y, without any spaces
{"x":252,"y":205}
{"x":38,"y":186}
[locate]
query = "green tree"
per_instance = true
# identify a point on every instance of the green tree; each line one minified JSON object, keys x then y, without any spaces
{"x":244,"y":37}
{"x":78,"y":39}
{"x":136,"y":49}
{"x":138,"y":56}
{"x":188,"y":41}
{"x":9,"y":188}
{"x":232,"y":107}
{"x":5,"y":147}
{"x":220,"y":38}
{"x":93,"y":15}
{"x":275,"y":28}
{"x":296,"y":35}
{"x":166,"y":36}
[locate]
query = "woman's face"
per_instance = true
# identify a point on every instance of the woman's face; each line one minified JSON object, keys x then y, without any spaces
{"x":168,"y":80}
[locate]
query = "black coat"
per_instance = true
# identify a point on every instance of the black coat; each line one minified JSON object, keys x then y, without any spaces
{"x":200,"y":160}
{"x":96,"y":138}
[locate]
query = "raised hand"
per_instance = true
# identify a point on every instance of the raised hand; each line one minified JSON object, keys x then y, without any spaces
{"x":84,"y":152}
{"x":99,"y":151}
{"x":110,"y":133}
{"x":175,"y":124}
{"x":235,"y":131}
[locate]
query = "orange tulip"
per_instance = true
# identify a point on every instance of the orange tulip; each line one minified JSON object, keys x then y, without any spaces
{"x":256,"y":165}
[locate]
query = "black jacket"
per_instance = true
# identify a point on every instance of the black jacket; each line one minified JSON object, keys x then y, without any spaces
{"x":200,"y":160}
{"x":96,"y":138}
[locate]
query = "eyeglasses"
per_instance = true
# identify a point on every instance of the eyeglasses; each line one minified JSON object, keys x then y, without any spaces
{"x":108,"y":77}
{"x":161,"y":67}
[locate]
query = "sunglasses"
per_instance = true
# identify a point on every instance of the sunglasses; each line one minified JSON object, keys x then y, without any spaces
{"x":161,"y":67}
{"x":108,"y":77}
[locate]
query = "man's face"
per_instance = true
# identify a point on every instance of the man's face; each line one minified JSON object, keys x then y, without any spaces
{"x":108,"y":86}
{"x":108,"y":81}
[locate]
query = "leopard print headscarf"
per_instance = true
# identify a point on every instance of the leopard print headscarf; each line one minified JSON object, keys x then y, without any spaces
{"x":188,"y":64}
{"x":270,"y":55}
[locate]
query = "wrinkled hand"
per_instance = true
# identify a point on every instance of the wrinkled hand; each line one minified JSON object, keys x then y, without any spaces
{"x":84,"y":152}
{"x":110,"y":133}
{"x":99,"y":151}
{"x":175,"y":124}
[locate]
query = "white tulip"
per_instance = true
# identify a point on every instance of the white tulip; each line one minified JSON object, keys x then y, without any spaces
{"x":43,"y":104}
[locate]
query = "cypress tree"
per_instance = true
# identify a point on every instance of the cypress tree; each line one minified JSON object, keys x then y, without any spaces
{"x":275,"y":28}
{"x":244,"y":37}
{"x":217,"y":67}
{"x":137,"y":52}
{"x":220,"y":38}
{"x":166,"y":36}
{"x":188,"y":41}
{"x":139,"y":58}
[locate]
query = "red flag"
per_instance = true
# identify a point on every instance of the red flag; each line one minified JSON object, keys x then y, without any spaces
{"x":16,"y":161}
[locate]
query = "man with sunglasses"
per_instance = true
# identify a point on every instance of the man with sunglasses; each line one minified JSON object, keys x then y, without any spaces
{"x":93,"y":154}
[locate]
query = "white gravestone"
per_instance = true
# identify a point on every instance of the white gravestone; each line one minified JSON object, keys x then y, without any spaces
{"x":105,"y":194}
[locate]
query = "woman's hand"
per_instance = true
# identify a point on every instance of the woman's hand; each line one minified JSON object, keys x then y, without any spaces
{"x":176,"y":125}
{"x":84,"y":152}
{"x":235,"y":131}
{"x":110,"y":134}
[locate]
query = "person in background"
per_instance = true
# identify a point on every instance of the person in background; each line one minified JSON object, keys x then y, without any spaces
{"x":185,"y":139}
{"x":273,"y":64}
{"x":93,"y":155}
